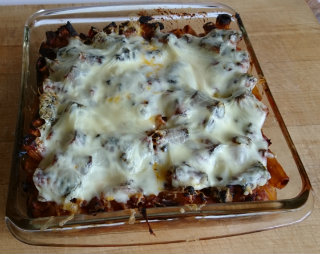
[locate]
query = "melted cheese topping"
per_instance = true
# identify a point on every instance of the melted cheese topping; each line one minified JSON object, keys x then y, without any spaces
{"x":101,"y":105}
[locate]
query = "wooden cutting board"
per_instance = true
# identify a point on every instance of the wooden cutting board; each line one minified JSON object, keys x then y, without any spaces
{"x":286,"y":38}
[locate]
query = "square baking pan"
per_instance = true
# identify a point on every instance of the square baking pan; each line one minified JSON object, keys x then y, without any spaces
{"x":170,"y":224}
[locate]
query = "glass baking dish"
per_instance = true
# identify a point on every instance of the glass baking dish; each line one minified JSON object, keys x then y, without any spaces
{"x":170,"y":224}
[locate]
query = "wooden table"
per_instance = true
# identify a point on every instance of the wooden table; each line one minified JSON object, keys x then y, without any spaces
{"x":286,"y":37}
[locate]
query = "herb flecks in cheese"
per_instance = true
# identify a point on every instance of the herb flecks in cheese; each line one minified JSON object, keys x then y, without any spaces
{"x":124,"y":113}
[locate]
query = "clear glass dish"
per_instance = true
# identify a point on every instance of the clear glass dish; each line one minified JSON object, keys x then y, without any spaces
{"x":294,"y":202}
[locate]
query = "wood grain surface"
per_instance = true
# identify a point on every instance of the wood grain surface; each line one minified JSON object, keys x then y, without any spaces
{"x":286,"y":37}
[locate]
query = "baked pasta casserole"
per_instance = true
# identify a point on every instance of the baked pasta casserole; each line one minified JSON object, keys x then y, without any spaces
{"x":133,"y":117}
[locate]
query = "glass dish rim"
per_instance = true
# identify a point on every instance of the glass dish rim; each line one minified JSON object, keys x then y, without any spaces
{"x":268,"y":207}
